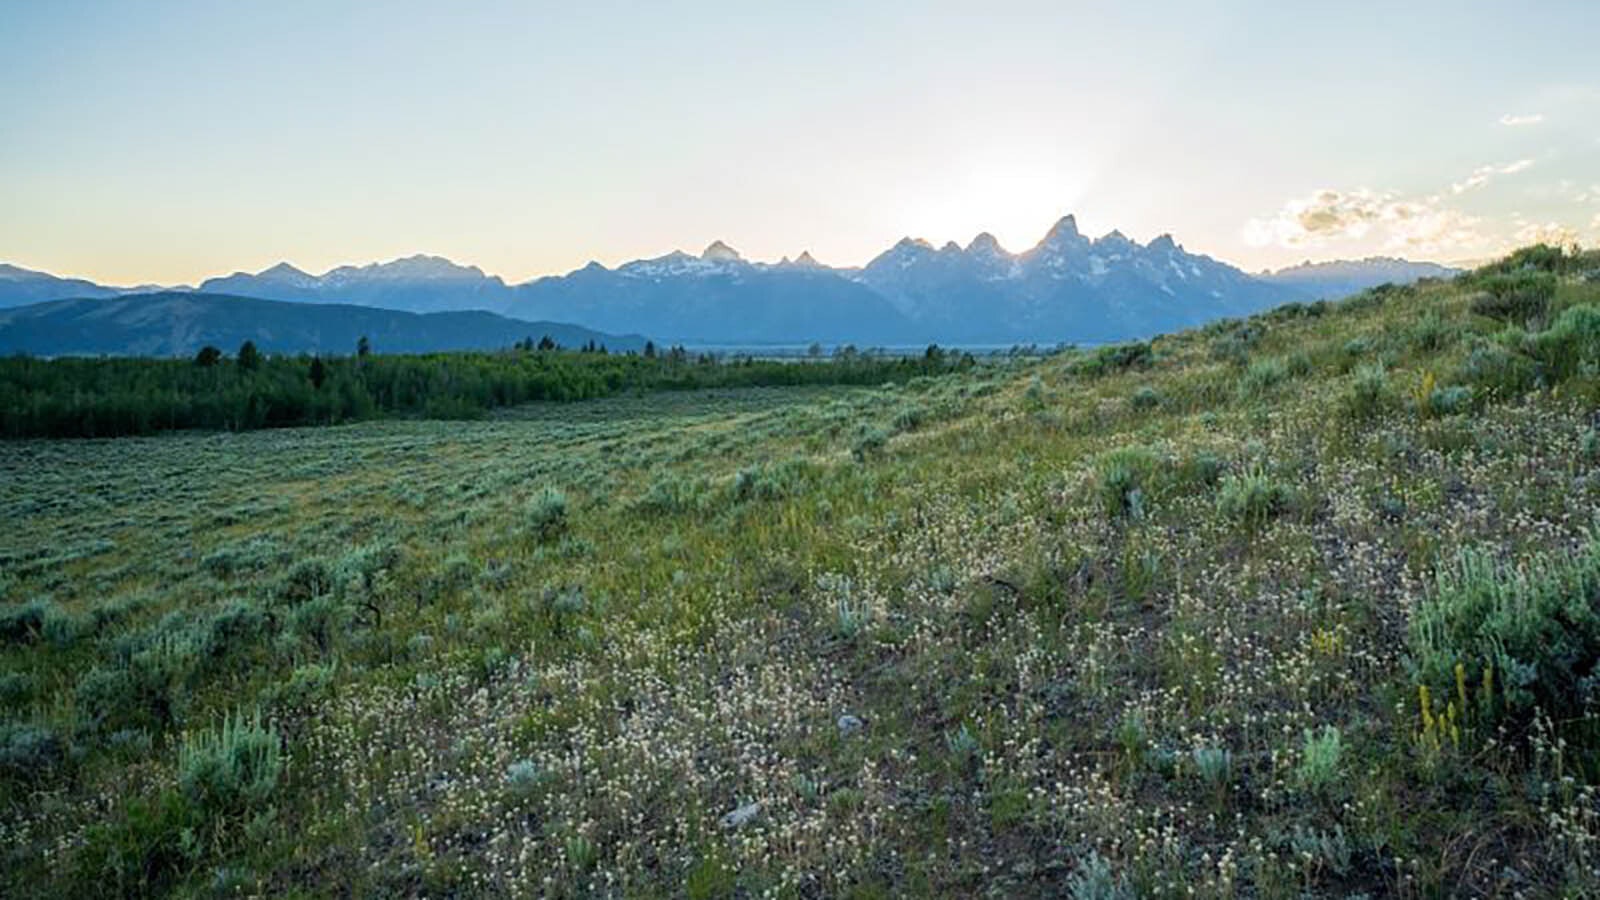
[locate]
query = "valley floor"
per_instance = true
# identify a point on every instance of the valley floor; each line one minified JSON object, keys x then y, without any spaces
{"x":1140,"y":621}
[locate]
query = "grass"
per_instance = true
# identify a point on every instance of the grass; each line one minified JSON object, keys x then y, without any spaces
{"x":1170,"y":617}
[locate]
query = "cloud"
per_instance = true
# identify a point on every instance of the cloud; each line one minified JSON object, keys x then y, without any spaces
{"x":1482,"y":175}
{"x":1326,"y":216}
{"x":1552,"y":233}
{"x":1513,"y":121}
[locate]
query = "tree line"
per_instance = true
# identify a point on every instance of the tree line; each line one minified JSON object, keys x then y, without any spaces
{"x":114,"y":396}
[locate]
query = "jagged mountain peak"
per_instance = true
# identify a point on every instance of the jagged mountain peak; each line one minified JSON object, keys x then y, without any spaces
{"x":1065,"y":229}
{"x":718,"y":251}
{"x":986,"y":244}
{"x":418,"y":266}
{"x":284,"y":271}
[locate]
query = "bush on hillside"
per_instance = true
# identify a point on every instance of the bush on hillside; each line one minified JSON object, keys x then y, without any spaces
{"x":1517,"y":298}
{"x":230,"y":770}
{"x":547,"y":514}
{"x":1535,"y":625}
{"x":1253,"y":498}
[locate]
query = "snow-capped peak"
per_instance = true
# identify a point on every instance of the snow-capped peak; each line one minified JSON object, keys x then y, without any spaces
{"x":417,"y":267}
{"x":986,"y":244}
{"x":287,"y":274}
{"x":720,"y":252}
{"x":1114,"y":239}
{"x":1065,"y":229}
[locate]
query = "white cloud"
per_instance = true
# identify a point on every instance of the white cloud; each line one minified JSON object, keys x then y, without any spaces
{"x":1553,"y":233}
{"x":1482,"y":175}
{"x":1326,"y":216}
{"x":1512,"y":121}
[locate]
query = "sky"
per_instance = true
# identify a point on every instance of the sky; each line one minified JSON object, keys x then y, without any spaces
{"x":151,"y":142}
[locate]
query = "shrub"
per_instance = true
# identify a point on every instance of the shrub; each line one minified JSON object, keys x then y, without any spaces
{"x":1236,"y":345}
{"x":1125,"y":476}
{"x":1094,"y":880}
{"x":1570,"y":345}
{"x":142,"y":691}
{"x":1449,"y":400}
{"x":16,"y":689}
{"x":1497,"y":371}
{"x":1253,"y":498}
{"x":1115,"y":358}
{"x":1146,"y":397}
{"x":1432,"y":334}
{"x":547,"y":514}
{"x":1358,"y":346}
{"x":1203,"y":469}
{"x":1261,"y":376}
{"x":1369,"y":392}
{"x":910,"y":418}
{"x":869,"y":443}
{"x":252,"y":555}
{"x":1215,"y":766}
{"x":230,"y":770}
{"x":1537,"y":258}
{"x":143,"y":851}
{"x":23,"y":623}
{"x":1321,"y":759}
{"x":1533,"y":628}
{"x":29,"y":753}
{"x":1518,"y":298}
{"x":305,"y":580}
{"x":672,"y":494}
{"x":765,"y":481}
{"x":523,"y":776}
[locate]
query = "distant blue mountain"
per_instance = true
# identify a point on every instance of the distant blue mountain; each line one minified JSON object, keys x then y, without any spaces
{"x":19,"y":287}
{"x":180,"y":323}
{"x":416,"y":284}
{"x":717,"y":297}
{"x":1067,"y":288}
{"x":1343,"y":277}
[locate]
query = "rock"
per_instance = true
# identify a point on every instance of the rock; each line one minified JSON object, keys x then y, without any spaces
{"x":741,"y":816}
{"x":849,"y":725}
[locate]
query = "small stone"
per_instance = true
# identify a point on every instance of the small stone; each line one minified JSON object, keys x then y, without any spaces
{"x":741,"y":816}
{"x":849,"y":725}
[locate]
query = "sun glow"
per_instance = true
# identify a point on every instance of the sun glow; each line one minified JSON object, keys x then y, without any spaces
{"x":1017,"y":200}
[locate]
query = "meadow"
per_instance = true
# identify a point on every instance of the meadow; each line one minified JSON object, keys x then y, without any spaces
{"x":1305,"y":604}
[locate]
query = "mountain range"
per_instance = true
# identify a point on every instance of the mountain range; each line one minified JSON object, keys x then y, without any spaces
{"x":1343,"y":277}
{"x":174,"y":323}
{"x":1067,"y":288}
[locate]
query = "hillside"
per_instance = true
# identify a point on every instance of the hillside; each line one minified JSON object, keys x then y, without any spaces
{"x":179,"y":324}
{"x":1304,"y":604}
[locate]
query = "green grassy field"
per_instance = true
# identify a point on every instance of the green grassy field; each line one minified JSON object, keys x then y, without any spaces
{"x":1300,"y":605}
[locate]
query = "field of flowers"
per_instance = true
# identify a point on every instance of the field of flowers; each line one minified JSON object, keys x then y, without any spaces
{"x":1302,"y":605}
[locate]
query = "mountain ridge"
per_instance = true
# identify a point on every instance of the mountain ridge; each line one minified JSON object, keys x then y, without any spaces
{"x":177,"y":323}
{"x":1068,"y":287}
